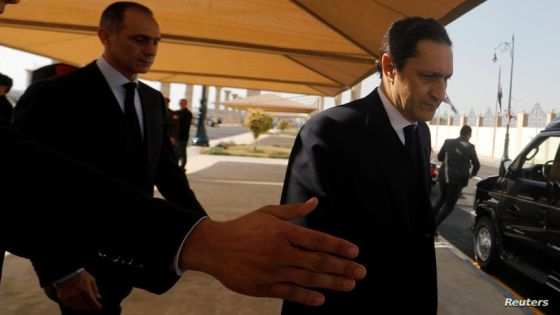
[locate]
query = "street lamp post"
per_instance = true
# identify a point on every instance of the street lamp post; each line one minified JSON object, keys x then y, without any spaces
{"x":201,"y":139}
{"x":503,"y":47}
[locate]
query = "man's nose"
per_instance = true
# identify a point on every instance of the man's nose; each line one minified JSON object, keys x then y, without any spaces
{"x":151,"y":48}
{"x":438,"y":90}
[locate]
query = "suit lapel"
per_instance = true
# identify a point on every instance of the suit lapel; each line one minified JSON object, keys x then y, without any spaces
{"x":150,"y":111}
{"x":102,"y":93}
{"x":385,"y":147}
{"x":425,"y":150}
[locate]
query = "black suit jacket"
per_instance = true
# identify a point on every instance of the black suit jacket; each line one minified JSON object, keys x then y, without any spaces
{"x":77,"y":114}
{"x":56,"y":211}
{"x":457,"y":155}
{"x":184,"y":119}
{"x":351,"y":158}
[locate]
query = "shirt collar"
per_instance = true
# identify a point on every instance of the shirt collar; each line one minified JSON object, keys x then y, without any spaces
{"x":113,"y":77}
{"x":397,"y":120}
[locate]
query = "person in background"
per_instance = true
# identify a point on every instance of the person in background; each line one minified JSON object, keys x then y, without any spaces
{"x":457,"y":157}
{"x":173,"y":127}
{"x":183,"y":118}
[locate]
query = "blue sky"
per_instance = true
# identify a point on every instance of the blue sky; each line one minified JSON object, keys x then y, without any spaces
{"x":536,"y":61}
{"x":475,"y":34}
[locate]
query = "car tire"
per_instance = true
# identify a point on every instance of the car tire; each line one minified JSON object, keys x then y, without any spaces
{"x":486,"y":245}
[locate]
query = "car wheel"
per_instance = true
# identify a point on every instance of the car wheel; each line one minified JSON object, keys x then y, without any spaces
{"x":485,"y":245}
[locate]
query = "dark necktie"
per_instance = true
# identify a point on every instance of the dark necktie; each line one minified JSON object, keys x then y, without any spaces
{"x":410,"y":140}
{"x":130,"y":112}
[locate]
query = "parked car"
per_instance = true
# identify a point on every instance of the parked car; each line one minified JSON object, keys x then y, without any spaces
{"x":434,"y":171}
{"x":517,"y":213}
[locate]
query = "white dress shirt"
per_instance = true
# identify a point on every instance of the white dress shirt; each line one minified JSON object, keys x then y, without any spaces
{"x":116,"y":82}
{"x":398,"y":122}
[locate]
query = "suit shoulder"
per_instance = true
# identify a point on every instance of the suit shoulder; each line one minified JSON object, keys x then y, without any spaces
{"x":338,"y":117}
{"x":149,"y":89}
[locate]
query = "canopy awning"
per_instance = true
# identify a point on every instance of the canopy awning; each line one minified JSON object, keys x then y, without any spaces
{"x":317,"y":47}
{"x":271,"y":103}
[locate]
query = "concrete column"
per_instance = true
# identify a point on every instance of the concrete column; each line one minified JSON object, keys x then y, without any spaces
{"x":225,"y":112}
{"x":28,"y":74}
{"x":498,"y":121}
{"x":449,"y":121}
{"x":189,"y":95}
{"x":522,"y":120}
{"x":338,"y":99}
{"x":479,"y":121}
{"x":321,"y":104}
{"x":218,"y":102}
{"x":356,"y":92}
{"x":165,"y":89}
{"x":550,"y":117}
{"x":240,"y":117}
{"x":463,"y":120}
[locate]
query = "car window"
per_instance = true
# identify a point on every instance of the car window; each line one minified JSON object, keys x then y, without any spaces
{"x":541,"y":158}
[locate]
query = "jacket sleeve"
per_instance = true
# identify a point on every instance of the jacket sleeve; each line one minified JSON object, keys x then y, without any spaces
{"x":474,"y":161}
{"x":441,"y":153}
{"x":312,"y":172}
{"x":56,"y":211}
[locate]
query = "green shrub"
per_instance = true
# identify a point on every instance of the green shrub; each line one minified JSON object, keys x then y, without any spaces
{"x":258,"y":122}
{"x":218,"y":151}
{"x":283,"y":124}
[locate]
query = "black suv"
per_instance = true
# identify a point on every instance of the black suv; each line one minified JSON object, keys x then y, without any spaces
{"x":517,"y":214}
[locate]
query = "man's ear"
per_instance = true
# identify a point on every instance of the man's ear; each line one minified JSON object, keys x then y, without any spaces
{"x":387,"y":67}
{"x":104,"y":35}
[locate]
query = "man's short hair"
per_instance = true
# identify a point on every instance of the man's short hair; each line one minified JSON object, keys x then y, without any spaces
{"x":403,"y":35}
{"x":6,"y":81}
{"x":113,"y":16}
{"x":465,"y":131}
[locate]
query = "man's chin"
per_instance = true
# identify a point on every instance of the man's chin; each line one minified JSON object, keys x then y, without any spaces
{"x":427,"y":115}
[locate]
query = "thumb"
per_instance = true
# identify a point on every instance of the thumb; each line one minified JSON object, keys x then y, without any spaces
{"x":291,"y":211}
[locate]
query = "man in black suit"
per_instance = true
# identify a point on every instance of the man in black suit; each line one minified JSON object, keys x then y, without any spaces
{"x":457,"y":157}
{"x":41,"y":225}
{"x":183,"y":118}
{"x":368,"y":163}
{"x":103,"y":116}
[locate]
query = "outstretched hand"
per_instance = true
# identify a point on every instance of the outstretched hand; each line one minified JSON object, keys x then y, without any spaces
{"x":261,"y":254}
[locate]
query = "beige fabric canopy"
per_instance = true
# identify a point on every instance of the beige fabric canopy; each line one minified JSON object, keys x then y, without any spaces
{"x":271,"y":103}
{"x":317,"y":47}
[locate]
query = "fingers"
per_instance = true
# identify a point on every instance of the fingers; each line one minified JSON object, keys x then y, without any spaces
{"x":322,"y":242}
{"x":91,"y":297}
{"x":291,"y":211}
{"x":313,"y":279}
{"x":336,"y":267}
{"x":296,"y":294}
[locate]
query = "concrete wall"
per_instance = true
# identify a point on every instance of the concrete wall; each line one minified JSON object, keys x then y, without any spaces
{"x":489,"y":141}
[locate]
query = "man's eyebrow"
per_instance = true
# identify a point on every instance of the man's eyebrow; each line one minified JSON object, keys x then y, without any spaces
{"x":437,"y":74}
